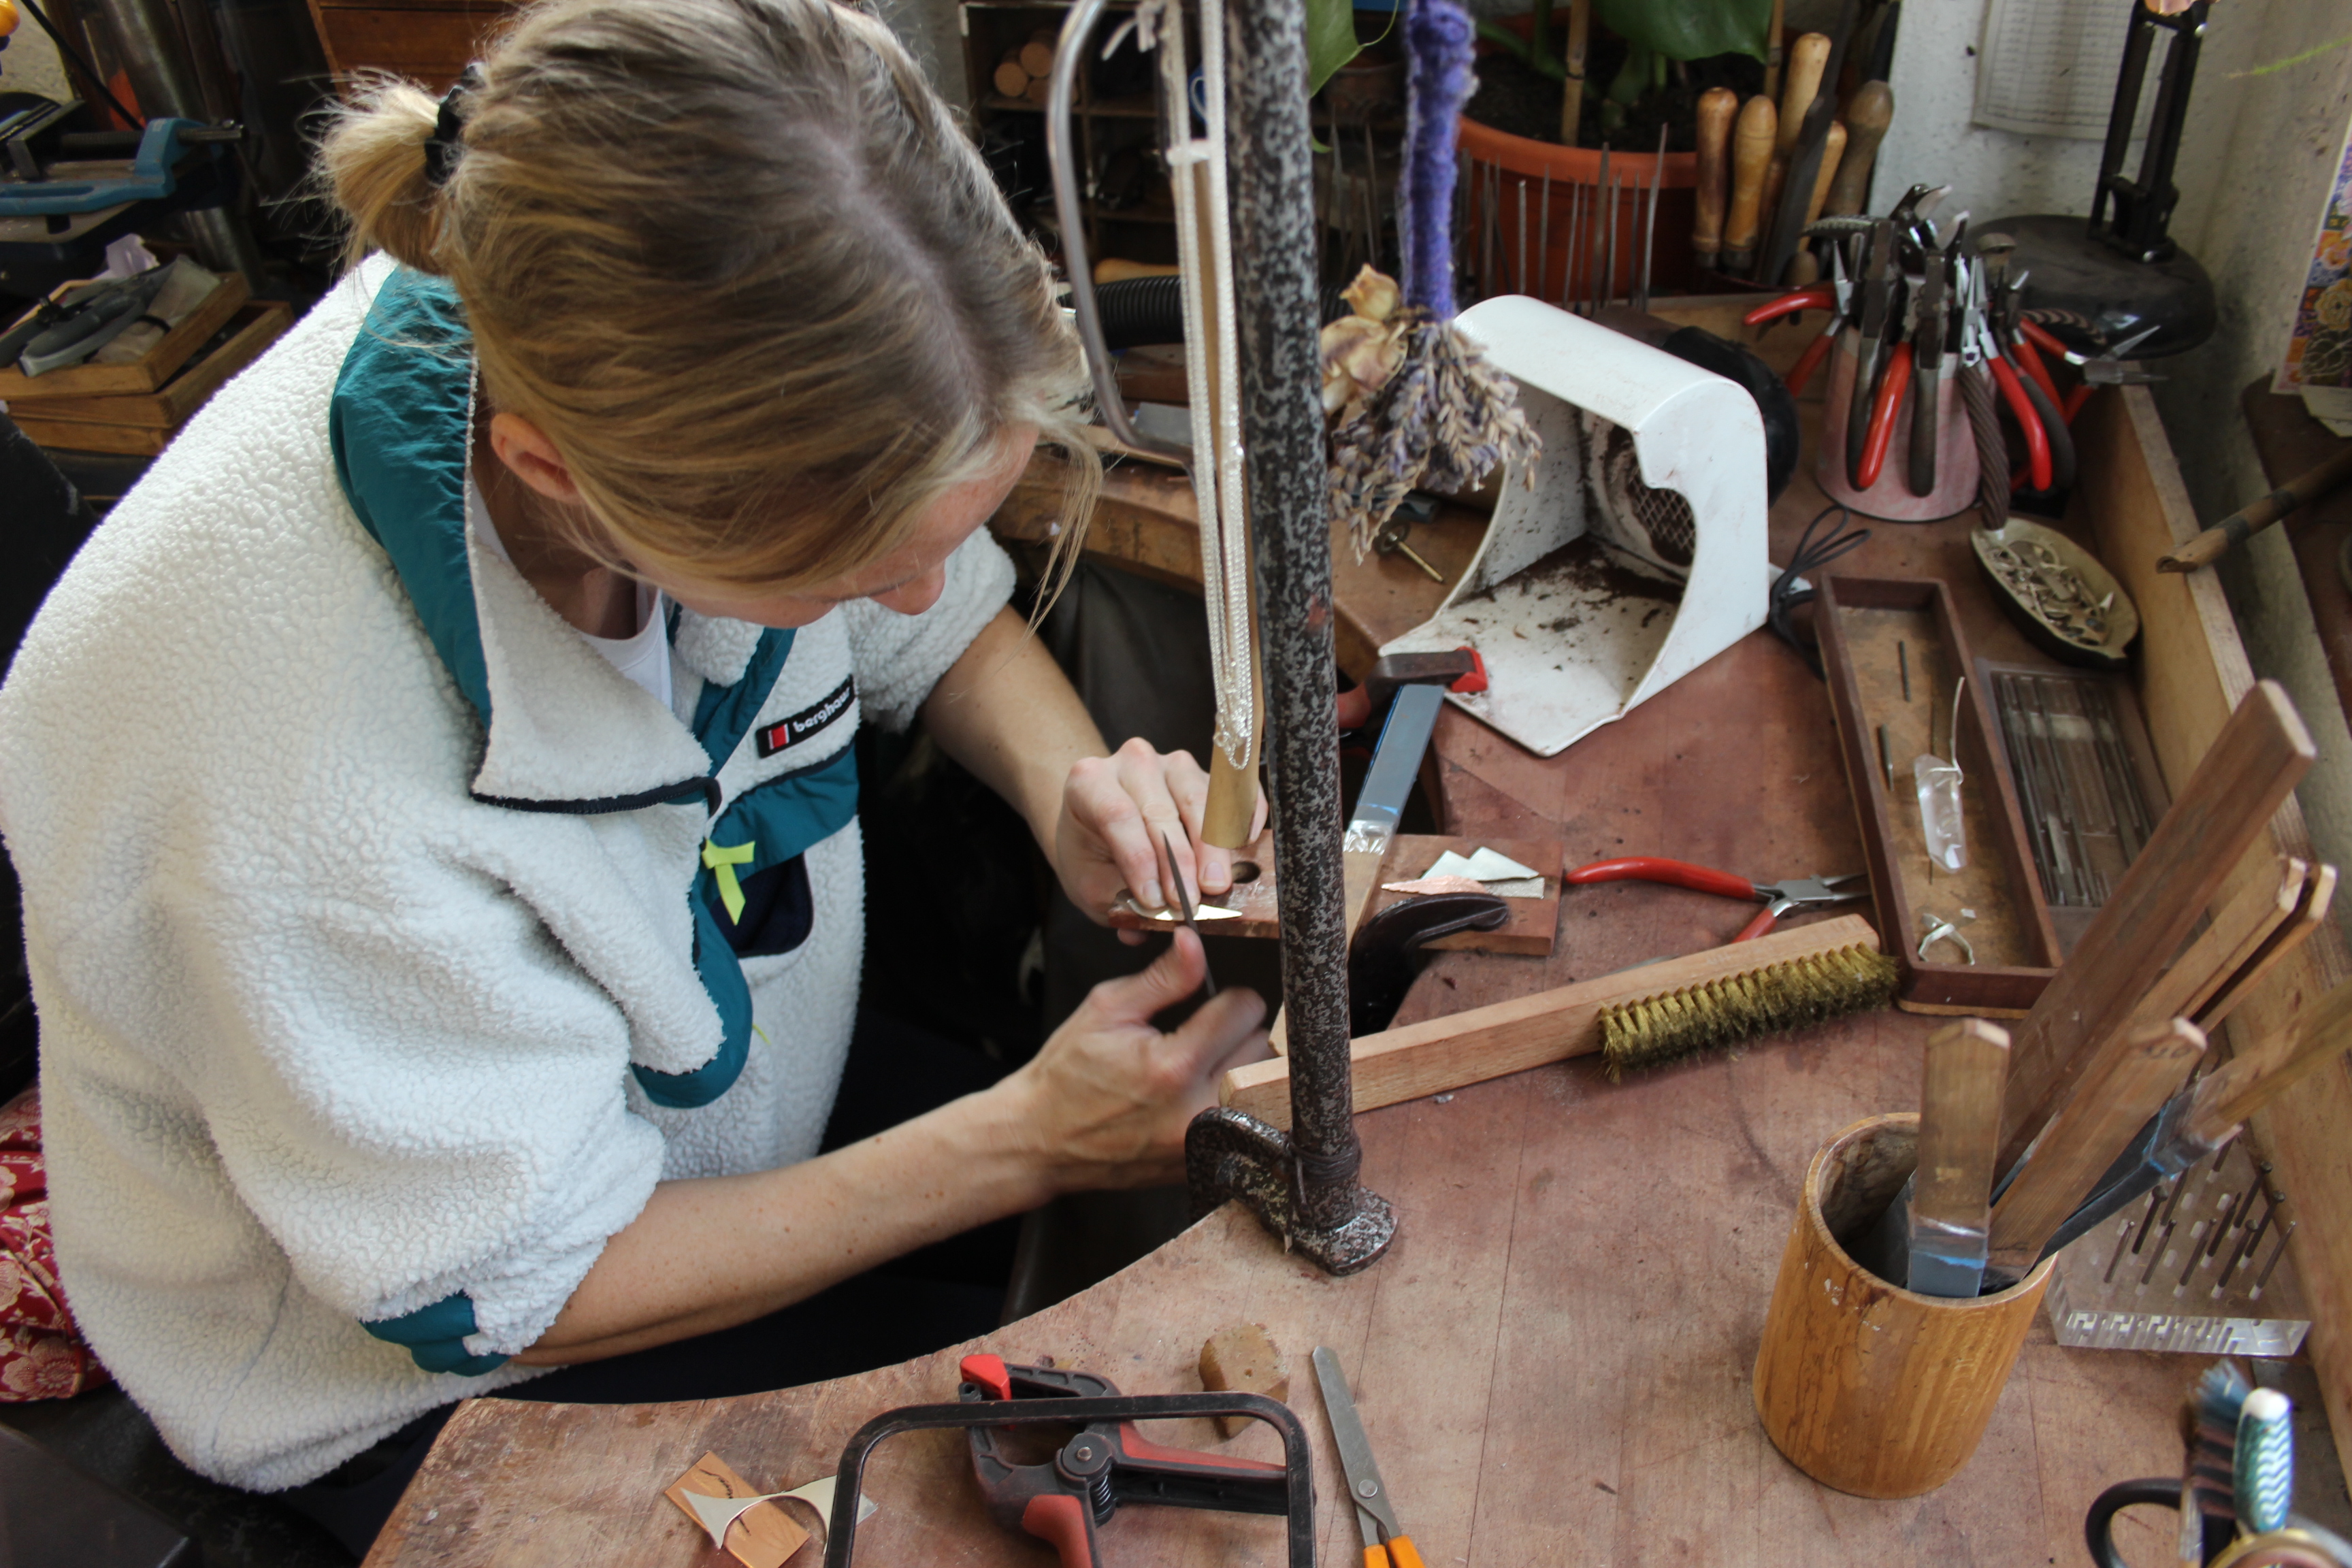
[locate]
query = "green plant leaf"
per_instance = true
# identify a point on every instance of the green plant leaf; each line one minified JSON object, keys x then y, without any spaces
{"x":1689,"y":29}
{"x":1545,"y":64}
{"x":1330,"y":40}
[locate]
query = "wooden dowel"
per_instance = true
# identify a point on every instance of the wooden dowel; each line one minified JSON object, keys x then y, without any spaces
{"x":2244,"y":524}
{"x":1480,"y":1043}
{"x":1751,"y":155}
{"x":1717,"y":107}
{"x":1571,"y":97}
{"x":2111,"y":1103}
{"x":1774,"y":58}
{"x":2085,"y":1011}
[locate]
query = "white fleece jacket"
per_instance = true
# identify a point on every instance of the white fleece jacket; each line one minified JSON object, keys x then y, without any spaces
{"x":360,"y":960}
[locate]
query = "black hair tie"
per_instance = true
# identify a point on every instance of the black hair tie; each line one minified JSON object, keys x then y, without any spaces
{"x":441,"y":147}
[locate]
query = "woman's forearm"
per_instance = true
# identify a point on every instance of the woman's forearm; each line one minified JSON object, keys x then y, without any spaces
{"x":1007,"y":712}
{"x":712,"y":1252}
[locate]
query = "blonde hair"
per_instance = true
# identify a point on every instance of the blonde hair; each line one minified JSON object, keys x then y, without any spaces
{"x":737,"y":261}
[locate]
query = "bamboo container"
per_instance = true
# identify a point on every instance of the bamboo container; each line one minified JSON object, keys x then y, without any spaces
{"x":1865,"y":1387}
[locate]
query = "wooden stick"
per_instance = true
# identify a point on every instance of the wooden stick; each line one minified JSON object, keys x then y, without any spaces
{"x":2244,"y":524}
{"x":1773,"y":58}
{"x":2318,"y":895}
{"x":1751,"y":155}
{"x":2256,"y":760}
{"x":1717,"y":107}
{"x":1868,"y":116}
{"x":1807,"y":59}
{"x":2228,"y":945}
{"x":1571,"y":97}
{"x":1832,"y":155}
{"x":1480,"y":1042}
{"x":1959,"y":1124}
{"x":2254,"y":1077}
{"x":2111,"y":1103}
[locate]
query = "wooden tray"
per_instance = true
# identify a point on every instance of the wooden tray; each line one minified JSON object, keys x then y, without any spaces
{"x":256,"y":325}
{"x":146,"y":373}
{"x":1860,"y":620}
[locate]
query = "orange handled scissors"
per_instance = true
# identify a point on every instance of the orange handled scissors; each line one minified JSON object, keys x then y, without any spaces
{"x":1385,"y":1546}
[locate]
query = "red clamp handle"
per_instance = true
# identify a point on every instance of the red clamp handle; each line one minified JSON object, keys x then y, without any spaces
{"x":988,"y":1373}
{"x":1891,"y":387}
{"x":1672,"y":873}
{"x":1062,"y":1522}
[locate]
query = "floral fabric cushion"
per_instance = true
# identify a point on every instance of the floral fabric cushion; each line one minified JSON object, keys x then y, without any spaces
{"x":42,"y":1356}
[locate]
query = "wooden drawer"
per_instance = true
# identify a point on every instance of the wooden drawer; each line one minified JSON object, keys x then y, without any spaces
{"x":428,"y":44}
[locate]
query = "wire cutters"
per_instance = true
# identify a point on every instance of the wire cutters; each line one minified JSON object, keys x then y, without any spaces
{"x":1385,"y":1546}
{"x":1892,"y":384}
{"x":1812,"y":297}
{"x":1841,"y":289}
{"x":2012,"y":388}
{"x":1777,"y":897}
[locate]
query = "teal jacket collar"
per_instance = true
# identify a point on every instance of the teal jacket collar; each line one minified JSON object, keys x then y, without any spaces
{"x":564,"y":730}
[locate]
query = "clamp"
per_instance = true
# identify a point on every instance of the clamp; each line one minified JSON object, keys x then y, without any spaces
{"x":1105,"y":1467}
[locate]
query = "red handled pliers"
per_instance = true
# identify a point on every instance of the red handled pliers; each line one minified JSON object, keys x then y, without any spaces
{"x":1835,"y":296}
{"x":1777,"y":897}
{"x":1891,"y":384}
{"x":2012,"y":388}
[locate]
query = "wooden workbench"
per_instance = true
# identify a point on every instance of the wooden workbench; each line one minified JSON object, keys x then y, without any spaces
{"x":1554,"y":1359}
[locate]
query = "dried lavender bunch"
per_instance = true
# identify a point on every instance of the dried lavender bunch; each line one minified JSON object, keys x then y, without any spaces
{"x":1443,"y":421}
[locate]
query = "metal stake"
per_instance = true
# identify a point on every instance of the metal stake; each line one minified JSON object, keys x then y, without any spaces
{"x":1302,"y":1185}
{"x":1543,"y":238}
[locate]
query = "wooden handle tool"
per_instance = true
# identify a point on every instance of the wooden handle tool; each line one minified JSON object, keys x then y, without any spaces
{"x":1807,"y":56}
{"x":2226,"y":946}
{"x":1717,"y":107}
{"x":1832,"y":155}
{"x":1751,"y":155}
{"x":2311,"y":912}
{"x":2085,"y":1013}
{"x":1960,"y":1132}
{"x":1867,"y":118}
{"x":2111,"y":1103}
{"x":2244,"y":524}
{"x":2254,"y":1077}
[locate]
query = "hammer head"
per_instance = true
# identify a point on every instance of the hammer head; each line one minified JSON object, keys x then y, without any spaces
{"x":1460,"y":671}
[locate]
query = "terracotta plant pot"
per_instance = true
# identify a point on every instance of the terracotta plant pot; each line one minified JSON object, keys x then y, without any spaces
{"x":1500,"y":163}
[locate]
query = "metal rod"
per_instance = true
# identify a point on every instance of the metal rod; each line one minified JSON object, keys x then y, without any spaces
{"x":1372,"y":194}
{"x":2158,"y":1254}
{"x":1575,"y":231}
{"x":2262,"y":1280}
{"x":1543,"y":238}
{"x":1275,"y":300}
{"x":1609,"y":279}
{"x":1596,"y":289}
{"x":1521,"y":284}
{"x":1650,"y":221}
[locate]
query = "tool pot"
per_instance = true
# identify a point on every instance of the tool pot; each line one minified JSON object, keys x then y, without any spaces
{"x":1867,"y":1387}
{"x":1890,"y":497}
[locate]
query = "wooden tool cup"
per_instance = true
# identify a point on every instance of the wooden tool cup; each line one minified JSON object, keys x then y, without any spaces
{"x":1863,"y":1386}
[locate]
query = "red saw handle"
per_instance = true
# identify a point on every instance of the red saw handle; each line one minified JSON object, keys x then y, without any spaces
{"x":1673,"y":873}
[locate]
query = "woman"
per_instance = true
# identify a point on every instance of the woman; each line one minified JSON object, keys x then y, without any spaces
{"x":432,"y":787}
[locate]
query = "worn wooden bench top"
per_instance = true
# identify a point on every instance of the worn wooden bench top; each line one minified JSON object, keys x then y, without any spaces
{"x":1554,"y":1359}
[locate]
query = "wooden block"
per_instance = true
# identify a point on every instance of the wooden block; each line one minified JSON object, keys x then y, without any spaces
{"x":83,"y":435}
{"x":1531,"y":930}
{"x":1243,"y":1358}
{"x":148,"y":372}
{"x":254,"y":327}
{"x":1526,"y":1032}
{"x":763,"y":1537}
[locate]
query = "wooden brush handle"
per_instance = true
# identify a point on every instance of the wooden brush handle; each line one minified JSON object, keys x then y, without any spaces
{"x":2085,"y":1011}
{"x":1751,"y":155}
{"x":1867,"y":118}
{"x":1480,"y":1043}
{"x":2244,"y":524}
{"x":1717,"y":107}
{"x":1807,"y":56}
{"x":2254,"y":1077}
{"x":2111,"y":1103}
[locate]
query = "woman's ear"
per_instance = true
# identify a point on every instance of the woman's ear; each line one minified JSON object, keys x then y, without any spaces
{"x":532,"y":457}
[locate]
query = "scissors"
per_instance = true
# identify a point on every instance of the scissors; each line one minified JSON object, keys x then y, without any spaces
{"x":1184,"y":914}
{"x":1385,"y":1546}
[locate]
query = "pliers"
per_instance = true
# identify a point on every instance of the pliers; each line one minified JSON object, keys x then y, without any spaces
{"x":2005,"y":377}
{"x":1841,"y":289}
{"x":1777,"y":897}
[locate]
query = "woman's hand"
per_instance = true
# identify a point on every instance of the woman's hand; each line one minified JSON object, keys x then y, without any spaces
{"x":1107,"y":1099}
{"x":1114,"y":812}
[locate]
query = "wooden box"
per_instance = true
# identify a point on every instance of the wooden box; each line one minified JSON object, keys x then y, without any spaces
{"x":148,"y":372}
{"x":141,"y":424}
{"x":1860,"y":622}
